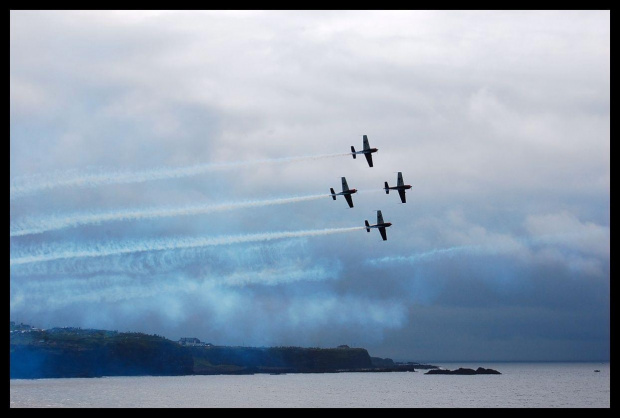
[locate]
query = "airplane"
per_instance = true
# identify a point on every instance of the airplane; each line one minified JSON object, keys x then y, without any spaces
{"x":346,"y":192}
{"x":367,"y":151}
{"x":380,"y":225}
{"x":401,"y":187}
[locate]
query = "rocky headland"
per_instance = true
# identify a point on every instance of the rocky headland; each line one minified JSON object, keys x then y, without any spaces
{"x":75,"y":352}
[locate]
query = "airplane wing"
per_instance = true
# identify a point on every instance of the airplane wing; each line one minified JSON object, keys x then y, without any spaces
{"x":403,"y":199}
{"x":383,"y":233}
{"x":345,"y":187}
{"x":369,"y":159}
{"x":349,"y":200}
{"x":366,"y":144}
{"x":379,"y":217}
{"x":400,"y":179}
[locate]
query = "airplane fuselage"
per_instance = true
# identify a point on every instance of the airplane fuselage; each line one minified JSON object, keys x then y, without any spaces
{"x":405,"y":187}
{"x":366,"y":151}
{"x":383,"y":225}
{"x":350,"y":191}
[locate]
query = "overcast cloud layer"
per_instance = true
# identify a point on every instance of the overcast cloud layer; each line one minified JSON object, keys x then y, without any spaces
{"x":499,"y":120}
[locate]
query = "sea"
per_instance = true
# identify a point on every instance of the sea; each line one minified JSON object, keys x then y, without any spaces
{"x":520,"y":385}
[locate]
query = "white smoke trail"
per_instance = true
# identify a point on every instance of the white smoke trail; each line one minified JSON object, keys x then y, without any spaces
{"x":26,"y":185}
{"x":219,"y":261}
{"x":427,"y":255}
{"x":507,"y":246}
{"x":53,"y":223}
{"x":107,"y":249}
{"x":55,"y":293}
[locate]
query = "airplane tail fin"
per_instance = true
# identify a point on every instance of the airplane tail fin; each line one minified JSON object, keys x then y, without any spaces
{"x":367,"y":225}
{"x":387,"y":188}
{"x":331,"y":189}
{"x":353,"y":151}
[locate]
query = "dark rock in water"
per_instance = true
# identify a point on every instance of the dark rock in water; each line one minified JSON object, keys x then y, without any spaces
{"x":460,"y":370}
{"x":597,"y":370}
{"x":463,"y":371}
{"x":482,"y":370}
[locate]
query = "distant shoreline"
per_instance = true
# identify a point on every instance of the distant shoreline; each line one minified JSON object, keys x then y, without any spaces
{"x":75,"y":352}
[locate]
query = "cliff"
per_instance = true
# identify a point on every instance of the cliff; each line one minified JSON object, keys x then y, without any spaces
{"x":64,"y":352}
{"x":76,"y":352}
{"x":227,"y":360}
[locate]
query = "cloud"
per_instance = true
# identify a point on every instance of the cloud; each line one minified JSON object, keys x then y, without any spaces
{"x":564,"y":228}
{"x":500,"y":121}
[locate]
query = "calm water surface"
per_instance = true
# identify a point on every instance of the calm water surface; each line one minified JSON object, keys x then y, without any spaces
{"x":521,"y":385}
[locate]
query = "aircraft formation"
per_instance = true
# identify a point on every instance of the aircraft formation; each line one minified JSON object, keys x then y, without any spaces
{"x":41,"y":225}
{"x":347,"y":193}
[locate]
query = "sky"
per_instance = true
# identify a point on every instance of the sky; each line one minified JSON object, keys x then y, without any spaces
{"x":170,"y":174}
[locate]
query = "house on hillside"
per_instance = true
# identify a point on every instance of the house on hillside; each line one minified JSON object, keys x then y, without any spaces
{"x":194,"y":342}
{"x":189,"y":341}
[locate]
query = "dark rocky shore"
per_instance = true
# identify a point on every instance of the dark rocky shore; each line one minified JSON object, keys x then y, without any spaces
{"x":463,"y":371}
{"x":76,"y":352}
